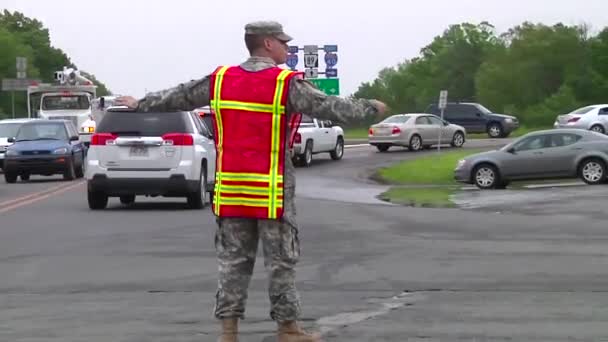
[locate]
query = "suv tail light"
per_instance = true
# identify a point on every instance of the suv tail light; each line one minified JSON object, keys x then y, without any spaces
{"x":298,"y":138}
{"x":574,"y":119}
{"x":178,"y":139}
{"x":371,"y":131}
{"x":99,"y":139}
{"x":396,"y":130}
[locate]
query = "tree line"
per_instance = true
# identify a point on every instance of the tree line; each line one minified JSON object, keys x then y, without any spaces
{"x":533,"y":71}
{"x":21,"y":36}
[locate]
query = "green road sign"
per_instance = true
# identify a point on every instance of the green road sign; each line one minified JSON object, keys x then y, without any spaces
{"x":330,"y":86}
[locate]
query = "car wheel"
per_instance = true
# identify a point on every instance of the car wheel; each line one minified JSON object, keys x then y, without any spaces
{"x":458,"y":139}
{"x":495,"y":130}
{"x":415,"y":143}
{"x":25,"y":176}
{"x":486,"y":176}
{"x":383,"y":148}
{"x":97,"y":200}
{"x":127,"y":199}
{"x":198,"y":199}
{"x":10,"y":177}
{"x":598,"y":128}
{"x":69,"y":173}
{"x":338,"y":151}
{"x":306,"y":158}
{"x":592,"y":171}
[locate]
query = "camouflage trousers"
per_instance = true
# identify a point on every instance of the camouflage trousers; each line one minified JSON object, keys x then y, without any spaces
{"x":236,"y":243}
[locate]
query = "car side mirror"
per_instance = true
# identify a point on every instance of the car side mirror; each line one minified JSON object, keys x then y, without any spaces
{"x":74,"y":138}
{"x":478,"y":114}
{"x":11,"y":140}
{"x":511,"y":150}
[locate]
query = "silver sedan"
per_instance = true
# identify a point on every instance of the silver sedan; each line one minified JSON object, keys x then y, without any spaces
{"x":415,"y":131}
{"x":593,"y":118}
{"x":562,"y":153}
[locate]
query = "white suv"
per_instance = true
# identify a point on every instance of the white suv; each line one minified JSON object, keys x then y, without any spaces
{"x":152,"y":154}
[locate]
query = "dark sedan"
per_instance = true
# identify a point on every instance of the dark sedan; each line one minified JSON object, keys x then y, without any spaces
{"x":45,"y":147}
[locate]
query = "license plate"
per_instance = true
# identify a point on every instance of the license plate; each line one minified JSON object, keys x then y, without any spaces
{"x":138,"y":151}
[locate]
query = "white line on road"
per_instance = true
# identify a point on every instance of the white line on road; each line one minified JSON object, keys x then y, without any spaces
{"x":356,"y":145}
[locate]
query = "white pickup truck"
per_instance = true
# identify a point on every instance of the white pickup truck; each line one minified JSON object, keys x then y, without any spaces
{"x":317,"y":136}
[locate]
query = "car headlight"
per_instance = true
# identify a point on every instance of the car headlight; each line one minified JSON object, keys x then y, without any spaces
{"x":61,"y":150}
{"x":11,"y":152}
{"x":509,"y":120}
{"x":461,"y":163}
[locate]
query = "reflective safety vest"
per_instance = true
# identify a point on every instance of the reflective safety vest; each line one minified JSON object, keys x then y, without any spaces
{"x":251,"y":134}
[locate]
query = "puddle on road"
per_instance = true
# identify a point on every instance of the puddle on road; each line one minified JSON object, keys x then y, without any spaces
{"x":342,"y":191}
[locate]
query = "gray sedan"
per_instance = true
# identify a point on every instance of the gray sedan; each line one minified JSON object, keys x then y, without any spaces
{"x":416,"y":131}
{"x":560,"y":153}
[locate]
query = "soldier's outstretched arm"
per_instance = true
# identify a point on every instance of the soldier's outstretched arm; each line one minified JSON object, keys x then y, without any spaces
{"x":186,"y":96}
{"x":304,"y":97}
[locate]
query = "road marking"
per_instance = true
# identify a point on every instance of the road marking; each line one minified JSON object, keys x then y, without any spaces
{"x":357,"y":145}
{"x":35,"y":197}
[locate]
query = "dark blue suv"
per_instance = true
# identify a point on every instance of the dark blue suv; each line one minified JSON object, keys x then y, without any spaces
{"x":45,"y":147}
{"x":476,"y":118}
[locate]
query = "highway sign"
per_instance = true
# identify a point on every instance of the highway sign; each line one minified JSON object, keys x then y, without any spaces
{"x":331,"y":59}
{"x":330,"y":86}
{"x":21,"y":64}
{"x":311,"y":73}
{"x":330,"y":48}
{"x":292,"y":61}
{"x":311,"y":61}
{"x":330,"y":72}
{"x":311,"y":49}
{"x":443,"y":99}
{"x":12,"y":84}
{"x":21,"y":74}
{"x":293,"y":49}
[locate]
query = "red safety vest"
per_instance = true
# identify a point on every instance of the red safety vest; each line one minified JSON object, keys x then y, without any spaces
{"x":251,"y":124}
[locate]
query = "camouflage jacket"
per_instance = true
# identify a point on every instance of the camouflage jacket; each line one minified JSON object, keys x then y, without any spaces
{"x":304,"y":97}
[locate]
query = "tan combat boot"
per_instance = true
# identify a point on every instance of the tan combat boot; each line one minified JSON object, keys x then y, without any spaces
{"x":229,"y":330}
{"x":291,"y":332}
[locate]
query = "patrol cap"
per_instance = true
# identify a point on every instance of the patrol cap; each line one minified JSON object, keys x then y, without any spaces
{"x":271,"y":28}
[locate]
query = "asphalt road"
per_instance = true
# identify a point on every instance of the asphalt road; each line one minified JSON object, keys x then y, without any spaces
{"x":369,"y":271}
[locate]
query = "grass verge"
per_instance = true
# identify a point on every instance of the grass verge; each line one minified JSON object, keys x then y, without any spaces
{"x":356,"y":133}
{"x":420,"y":197}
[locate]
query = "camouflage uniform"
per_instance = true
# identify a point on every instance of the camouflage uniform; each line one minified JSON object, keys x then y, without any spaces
{"x":236,"y":239}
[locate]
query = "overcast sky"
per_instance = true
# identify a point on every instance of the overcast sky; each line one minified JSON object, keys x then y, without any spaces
{"x":134,"y":45}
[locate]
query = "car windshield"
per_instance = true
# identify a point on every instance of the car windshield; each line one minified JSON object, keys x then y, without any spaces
{"x":483,"y":109}
{"x":583,"y":110}
{"x":143,"y":124}
{"x":42,"y":131}
{"x":57,"y":102}
{"x":396,"y":119}
{"x":9,"y":130}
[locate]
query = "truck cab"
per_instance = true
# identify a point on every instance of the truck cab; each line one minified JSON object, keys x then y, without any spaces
{"x":316,"y":136}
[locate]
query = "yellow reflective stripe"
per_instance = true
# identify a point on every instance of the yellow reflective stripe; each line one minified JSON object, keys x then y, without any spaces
{"x":251,"y":106}
{"x":248,"y":177}
{"x":242,"y":189}
{"x":250,"y":202}
{"x":220,"y":131}
{"x":276,"y":143}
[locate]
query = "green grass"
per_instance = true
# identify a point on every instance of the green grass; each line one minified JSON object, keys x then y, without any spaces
{"x":356,"y":133}
{"x":434,"y":169}
{"x":420,"y":197}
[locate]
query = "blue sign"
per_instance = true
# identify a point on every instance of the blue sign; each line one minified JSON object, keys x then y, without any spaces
{"x":330,"y":48}
{"x":331,"y":59}
{"x":292,"y":60}
{"x":293,"y":49}
{"x":331,"y":72}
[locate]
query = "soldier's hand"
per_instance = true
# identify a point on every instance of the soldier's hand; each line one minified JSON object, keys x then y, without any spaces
{"x":380,"y":106}
{"x":128,"y":101}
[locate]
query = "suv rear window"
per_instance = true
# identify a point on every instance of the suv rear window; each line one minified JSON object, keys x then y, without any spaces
{"x":144,"y":124}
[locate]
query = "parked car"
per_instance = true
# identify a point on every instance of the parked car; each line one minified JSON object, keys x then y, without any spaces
{"x":415,"y":131}
{"x":476,"y":118}
{"x":45,"y":147}
{"x":151,"y":154}
{"x":565,"y":153}
{"x":316,"y":136}
{"x":593,"y":118}
{"x":8,"y":129}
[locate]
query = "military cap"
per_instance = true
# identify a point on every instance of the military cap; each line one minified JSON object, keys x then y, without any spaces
{"x":272,"y":28}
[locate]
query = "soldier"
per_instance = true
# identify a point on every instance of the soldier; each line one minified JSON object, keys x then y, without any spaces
{"x":256,"y":106}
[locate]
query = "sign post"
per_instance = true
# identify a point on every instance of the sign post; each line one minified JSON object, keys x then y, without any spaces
{"x":443,"y":101}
